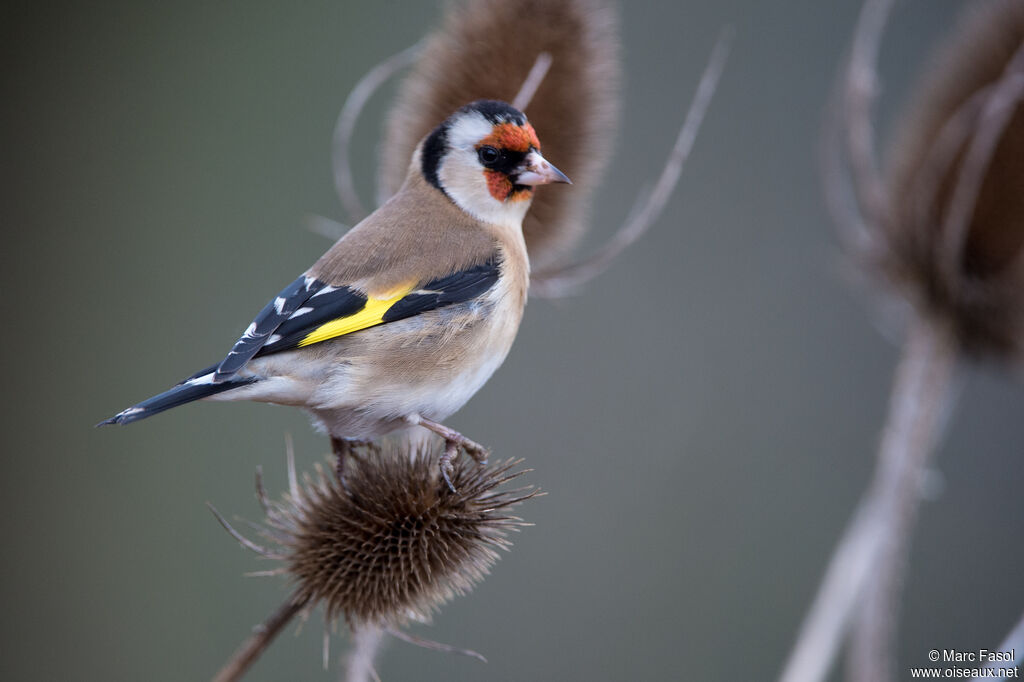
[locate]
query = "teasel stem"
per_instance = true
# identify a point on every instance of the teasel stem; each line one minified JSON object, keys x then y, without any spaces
{"x":533,"y":80}
{"x":921,"y":400}
{"x":262,"y":636}
{"x":865,"y":574}
{"x":346,"y":124}
{"x":366,"y":641}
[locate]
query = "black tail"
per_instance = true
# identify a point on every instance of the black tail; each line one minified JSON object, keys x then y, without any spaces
{"x":198,"y":386}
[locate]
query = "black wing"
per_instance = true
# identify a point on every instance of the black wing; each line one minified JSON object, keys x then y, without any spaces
{"x":335,"y":312}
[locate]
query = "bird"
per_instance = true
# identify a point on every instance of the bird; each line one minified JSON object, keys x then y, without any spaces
{"x":407,"y":315}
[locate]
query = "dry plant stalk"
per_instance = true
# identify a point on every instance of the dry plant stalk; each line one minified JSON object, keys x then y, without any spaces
{"x":385,"y":548}
{"x":366,"y":642}
{"x":345,"y":126}
{"x":946,"y":231}
{"x":263,"y":634}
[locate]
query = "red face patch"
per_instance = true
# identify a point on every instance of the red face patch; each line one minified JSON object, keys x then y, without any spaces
{"x":501,"y":187}
{"x":512,"y":137}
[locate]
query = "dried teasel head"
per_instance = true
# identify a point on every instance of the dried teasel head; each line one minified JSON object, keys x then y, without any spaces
{"x":393,"y":543}
{"x":954,"y":229}
{"x":485,"y":50}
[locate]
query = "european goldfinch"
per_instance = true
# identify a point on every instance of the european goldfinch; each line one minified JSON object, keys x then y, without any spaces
{"x":410,"y":312}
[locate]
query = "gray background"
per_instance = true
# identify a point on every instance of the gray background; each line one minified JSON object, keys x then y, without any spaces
{"x":703,"y":417}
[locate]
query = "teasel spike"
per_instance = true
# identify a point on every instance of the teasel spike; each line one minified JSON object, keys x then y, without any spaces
{"x":244,"y":541}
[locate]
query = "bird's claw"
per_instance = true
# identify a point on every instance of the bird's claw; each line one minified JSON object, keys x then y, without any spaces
{"x":451,"y":449}
{"x":446,"y":473}
{"x":339,"y":472}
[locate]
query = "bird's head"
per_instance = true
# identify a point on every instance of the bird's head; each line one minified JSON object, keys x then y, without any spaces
{"x":486,"y":158}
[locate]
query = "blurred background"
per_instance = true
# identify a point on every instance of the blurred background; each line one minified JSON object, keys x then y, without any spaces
{"x":701,"y":454}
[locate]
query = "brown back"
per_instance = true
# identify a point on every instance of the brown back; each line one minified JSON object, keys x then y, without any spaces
{"x":417,"y":236}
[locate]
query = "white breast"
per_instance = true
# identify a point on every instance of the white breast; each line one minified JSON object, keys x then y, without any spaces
{"x":482,"y":350}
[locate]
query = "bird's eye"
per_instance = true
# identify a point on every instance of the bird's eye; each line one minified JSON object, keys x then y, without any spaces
{"x":488,"y":155}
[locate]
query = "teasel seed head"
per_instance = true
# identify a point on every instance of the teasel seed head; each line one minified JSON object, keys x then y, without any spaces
{"x":954,"y":233}
{"x":392,"y":543}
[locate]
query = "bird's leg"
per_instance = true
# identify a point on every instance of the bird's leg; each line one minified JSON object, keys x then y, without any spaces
{"x":343,"y":448}
{"x":472,"y":448}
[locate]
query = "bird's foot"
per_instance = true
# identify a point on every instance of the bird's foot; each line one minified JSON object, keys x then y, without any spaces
{"x":478,"y":452}
{"x":453,"y":440}
{"x":343,"y":449}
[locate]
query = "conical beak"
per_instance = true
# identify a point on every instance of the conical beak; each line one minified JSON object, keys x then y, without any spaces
{"x":536,"y":170}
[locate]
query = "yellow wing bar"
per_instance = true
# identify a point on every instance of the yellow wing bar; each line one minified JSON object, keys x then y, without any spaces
{"x":372,"y":314}
{"x":330,"y":312}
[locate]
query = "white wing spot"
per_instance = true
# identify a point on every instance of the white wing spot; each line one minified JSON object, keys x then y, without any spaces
{"x":279,"y":304}
{"x":325,"y":290}
{"x":274,"y":338}
{"x":300,"y":312}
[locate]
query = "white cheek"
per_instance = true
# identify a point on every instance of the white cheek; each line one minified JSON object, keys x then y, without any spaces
{"x":463,"y":179}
